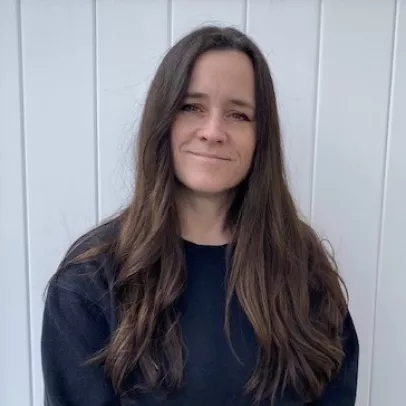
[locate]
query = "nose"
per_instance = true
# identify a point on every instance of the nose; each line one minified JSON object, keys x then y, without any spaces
{"x":212,"y":130}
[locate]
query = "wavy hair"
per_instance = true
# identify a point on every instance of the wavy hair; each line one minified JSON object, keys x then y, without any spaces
{"x":287,"y":283}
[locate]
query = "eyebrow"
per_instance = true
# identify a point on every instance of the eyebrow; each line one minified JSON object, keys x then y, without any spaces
{"x":236,"y":102}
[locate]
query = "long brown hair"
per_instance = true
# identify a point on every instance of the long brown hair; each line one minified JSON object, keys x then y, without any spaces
{"x":286,"y":282}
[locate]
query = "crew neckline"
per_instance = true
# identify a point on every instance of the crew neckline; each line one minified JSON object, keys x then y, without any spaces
{"x":191,"y":244}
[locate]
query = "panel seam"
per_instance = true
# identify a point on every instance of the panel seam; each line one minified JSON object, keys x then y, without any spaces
{"x":384,"y":187}
{"x":316,"y":113}
{"x":24,"y":172}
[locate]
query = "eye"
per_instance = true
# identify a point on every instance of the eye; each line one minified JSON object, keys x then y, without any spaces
{"x":240,"y":116}
{"x":190,"y":107}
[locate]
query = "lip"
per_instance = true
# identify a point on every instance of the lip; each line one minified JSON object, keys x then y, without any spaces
{"x":209,"y":156}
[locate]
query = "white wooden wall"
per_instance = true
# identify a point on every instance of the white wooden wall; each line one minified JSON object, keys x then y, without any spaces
{"x":73,"y":76}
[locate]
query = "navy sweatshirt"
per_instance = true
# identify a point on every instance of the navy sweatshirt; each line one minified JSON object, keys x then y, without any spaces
{"x":80,"y":317}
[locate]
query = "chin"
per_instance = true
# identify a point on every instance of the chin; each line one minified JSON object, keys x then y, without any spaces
{"x":207,"y":188}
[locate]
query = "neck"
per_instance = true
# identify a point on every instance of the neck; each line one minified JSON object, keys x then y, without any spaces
{"x":203,"y":217}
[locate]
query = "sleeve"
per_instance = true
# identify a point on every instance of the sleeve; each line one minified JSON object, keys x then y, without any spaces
{"x":73,"y":330}
{"x":342,"y":390}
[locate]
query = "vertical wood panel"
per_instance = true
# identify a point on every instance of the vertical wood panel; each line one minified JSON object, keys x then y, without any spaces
{"x":354,"y":90}
{"x":288,"y":34}
{"x":128,"y":52}
{"x":78,"y":147}
{"x":186,"y":17}
{"x":58,"y":80}
{"x":14,"y":314}
{"x":389,"y":357}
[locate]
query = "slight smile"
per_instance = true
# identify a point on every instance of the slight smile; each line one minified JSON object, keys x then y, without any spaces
{"x":209,"y":156}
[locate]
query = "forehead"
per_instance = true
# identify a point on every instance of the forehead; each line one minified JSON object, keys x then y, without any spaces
{"x":223,"y":71}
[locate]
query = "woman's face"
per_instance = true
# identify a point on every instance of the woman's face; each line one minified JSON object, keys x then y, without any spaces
{"x":213,"y":136}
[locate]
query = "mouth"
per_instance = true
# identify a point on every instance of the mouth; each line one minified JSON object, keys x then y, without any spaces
{"x":209,"y":156}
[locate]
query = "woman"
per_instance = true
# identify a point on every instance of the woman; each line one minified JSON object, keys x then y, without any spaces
{"x":208,"y":289}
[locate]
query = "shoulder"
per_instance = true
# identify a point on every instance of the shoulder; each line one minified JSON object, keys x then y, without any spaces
{"x":350,"y":340}
{"x":92,"y":277}
{"x":103,"y":234}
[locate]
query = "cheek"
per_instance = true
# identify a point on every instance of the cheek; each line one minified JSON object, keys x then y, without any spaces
{"x":173,"y":145}
{"x":174,"y":135}
{"x":175,"y":140}
{"x":180,"y":134}
{"x":247,"y":152}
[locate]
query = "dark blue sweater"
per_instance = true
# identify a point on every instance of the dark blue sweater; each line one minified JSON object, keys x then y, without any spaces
{"x":80,"y":317}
